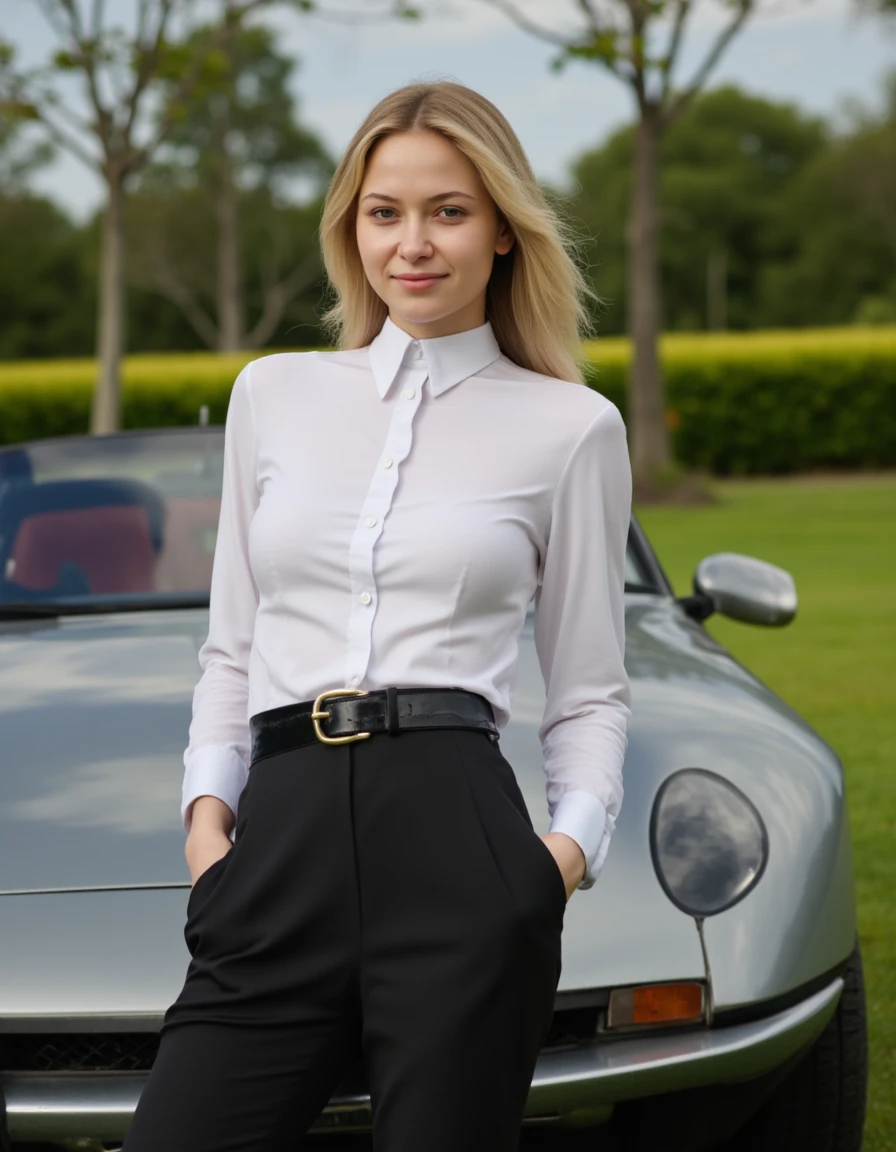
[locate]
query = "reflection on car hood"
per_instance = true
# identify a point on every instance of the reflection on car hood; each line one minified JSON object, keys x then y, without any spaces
{"x":94,"y":716}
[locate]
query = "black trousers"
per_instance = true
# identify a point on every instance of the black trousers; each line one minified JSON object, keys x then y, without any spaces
{"x":386,"y":901}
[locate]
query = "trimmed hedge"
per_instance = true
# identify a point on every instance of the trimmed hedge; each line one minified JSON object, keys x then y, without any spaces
{"x":771,"y":402}
{"x":766,"y":402}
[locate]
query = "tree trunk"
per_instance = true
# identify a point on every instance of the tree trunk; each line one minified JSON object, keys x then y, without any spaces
{"x":231,"y":330}
{"x":650,"y":447}
{"x":105,"y":414}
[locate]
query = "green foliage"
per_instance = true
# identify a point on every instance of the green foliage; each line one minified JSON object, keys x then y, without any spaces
{"x":832,"y":236}
{"x":214,"y":198}
{"x":244,"y":93}
{"x":47,"y":295}
{"x":725,"y":164}
{"x":772,"y":403}
{"x":765,"y":403}
{"x":52,"y":398}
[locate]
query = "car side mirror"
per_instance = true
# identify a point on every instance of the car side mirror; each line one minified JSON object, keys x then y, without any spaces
{"x":743,"y":588}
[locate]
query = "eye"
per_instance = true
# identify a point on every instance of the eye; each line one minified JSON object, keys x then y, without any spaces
{"x":449,"y":208}
{"x":374,"y":213}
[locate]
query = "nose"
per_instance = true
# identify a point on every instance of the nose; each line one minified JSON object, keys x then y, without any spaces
{"x":414,"y":243}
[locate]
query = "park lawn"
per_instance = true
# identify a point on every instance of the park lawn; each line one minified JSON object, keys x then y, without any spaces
{"x":836,"y":664}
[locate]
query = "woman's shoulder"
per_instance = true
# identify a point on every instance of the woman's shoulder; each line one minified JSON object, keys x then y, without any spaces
{"x":570,"y":403}
{"x":297,"y":367}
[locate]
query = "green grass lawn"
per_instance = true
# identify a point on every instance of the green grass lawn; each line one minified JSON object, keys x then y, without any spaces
{"x":836,"y":664}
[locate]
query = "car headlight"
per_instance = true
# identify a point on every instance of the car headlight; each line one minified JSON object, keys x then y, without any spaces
{"x":708,"y":841}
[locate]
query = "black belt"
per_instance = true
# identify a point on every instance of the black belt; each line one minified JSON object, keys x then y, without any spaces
{"x":348,"y":714}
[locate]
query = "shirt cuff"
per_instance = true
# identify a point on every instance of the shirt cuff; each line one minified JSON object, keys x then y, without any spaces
{"x":582,"y":816}
{"x":212,"y":770}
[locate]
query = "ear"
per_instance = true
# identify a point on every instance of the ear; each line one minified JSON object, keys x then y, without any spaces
{"x":505,"y":239}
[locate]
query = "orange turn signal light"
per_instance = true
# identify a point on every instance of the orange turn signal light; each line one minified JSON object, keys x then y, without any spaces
{"x":656,"y":1004}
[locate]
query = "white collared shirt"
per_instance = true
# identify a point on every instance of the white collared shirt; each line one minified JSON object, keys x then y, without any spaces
{"x":387,"y":515}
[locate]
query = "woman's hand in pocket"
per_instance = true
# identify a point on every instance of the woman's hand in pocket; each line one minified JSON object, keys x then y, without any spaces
{"x":203,"y":848}
{"x":569,"y":857}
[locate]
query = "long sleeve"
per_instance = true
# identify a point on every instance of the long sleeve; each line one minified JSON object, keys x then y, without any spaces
{"x":580,"y":639}
{"x":216,"y":761}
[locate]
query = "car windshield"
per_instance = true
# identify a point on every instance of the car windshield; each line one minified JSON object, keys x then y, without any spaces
{"x":101,"y":523}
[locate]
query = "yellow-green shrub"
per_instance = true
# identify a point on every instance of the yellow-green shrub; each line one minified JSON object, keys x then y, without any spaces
{"x":736,"y":402}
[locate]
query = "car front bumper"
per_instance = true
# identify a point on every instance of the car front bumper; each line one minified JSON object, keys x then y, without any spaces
{"x":573,"y":1086}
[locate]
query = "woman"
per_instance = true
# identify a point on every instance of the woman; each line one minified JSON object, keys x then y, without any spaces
{"x":389,"y":510}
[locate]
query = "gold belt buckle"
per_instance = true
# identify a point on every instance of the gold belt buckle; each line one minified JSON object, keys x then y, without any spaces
{"x":317,"y":715}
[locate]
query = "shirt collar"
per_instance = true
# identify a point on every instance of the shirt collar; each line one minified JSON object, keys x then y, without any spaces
{"x":448,"y":359}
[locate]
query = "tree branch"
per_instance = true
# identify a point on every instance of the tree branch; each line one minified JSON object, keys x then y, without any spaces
{"x":84,"y":48}
{"x":65,"y":113}
{"x":142,"y":15}
{"x":163,"y":279}
{"x":590,"y":15}
{"x":148,"y":60}
{"x":97,"y":18}
{"x":712,"y":57}
{"x":682,"y":8}
{"x":190,"y":77}
{"x":70,"y":143}
{"x":636,"y":51}
{"x":528,"y":25}
{"x":361,"y":17}
{"x":278,"y":296}
{"x":51,"y":15}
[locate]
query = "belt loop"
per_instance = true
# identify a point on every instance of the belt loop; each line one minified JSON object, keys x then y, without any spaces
{"x":392,"y":710}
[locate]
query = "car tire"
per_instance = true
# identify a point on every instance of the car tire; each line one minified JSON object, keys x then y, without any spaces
{"x":820,"y":1105}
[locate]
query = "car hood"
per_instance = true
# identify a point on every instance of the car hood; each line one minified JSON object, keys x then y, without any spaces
{"x":94,"y":716}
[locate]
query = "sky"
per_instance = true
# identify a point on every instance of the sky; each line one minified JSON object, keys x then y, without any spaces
{"x":818,"y":54}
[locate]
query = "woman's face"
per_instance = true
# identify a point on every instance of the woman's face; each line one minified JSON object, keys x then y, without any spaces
{"x":427,"y":231}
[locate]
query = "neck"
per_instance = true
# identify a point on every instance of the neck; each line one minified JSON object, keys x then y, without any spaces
{"x":445,"y":326}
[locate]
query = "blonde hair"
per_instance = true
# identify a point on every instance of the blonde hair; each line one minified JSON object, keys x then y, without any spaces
{"x":536,"y":295}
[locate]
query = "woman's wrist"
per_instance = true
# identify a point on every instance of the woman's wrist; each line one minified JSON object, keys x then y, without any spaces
{"x":570,"y":859}
{"x":210,"y":817}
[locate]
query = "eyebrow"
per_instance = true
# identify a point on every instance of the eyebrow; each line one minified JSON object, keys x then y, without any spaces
{"x":430,"y":200}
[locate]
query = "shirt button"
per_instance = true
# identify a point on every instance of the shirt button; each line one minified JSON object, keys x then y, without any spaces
{"x":409,"y":393}
{"x":387,"y":463}
{"x":365,"y":597}
{"x":371,"y":520}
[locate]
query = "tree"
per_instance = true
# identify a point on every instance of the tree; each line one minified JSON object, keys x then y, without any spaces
{"x":239,"y":139}
{"x":19,"y":159}
{"x":833,"y":250}
{"x":620,"y":37}
{"x":118,"y":69}
{"x":725,"y":165}
{"x":173,"y":253}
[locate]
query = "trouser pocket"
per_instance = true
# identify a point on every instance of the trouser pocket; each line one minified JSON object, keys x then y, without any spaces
{"x":200,"y":898}
{"x":205,"y":878}
{"x":527,"y":869}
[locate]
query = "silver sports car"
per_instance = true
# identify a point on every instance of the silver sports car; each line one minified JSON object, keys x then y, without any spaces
{"x":711,"y":993}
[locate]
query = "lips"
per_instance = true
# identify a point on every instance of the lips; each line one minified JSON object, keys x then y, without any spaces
{"x":418,"y":281}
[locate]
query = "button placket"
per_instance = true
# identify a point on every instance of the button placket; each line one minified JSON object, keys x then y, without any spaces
{"x":373,"y":511}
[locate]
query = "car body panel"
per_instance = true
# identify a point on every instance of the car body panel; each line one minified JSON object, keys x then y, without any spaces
{"x":94,"y":713}
{"x":99,"y":803}
{"x":573,"y":1087}
{"x":71,"y":957}
{"x":788,"y":933}
{"x":94,"y":718}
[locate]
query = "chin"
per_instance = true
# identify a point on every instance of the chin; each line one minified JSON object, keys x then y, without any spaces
{"x":425,"y":313}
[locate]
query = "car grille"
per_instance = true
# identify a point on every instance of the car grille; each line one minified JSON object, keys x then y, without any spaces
{"x":79,"y":1052}
{"x":136,"y":1051}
